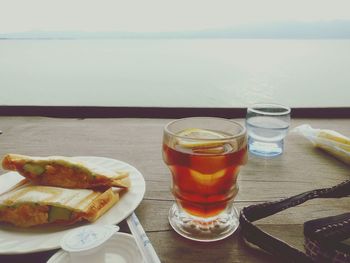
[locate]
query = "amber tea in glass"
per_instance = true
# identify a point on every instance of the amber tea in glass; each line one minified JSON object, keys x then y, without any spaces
{"x":204,"y":156}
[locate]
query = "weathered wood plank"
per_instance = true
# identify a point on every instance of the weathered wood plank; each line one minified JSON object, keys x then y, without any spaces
{"x":312,"y":209}
{"x":138,"y":142}
{"x":173,"y":248}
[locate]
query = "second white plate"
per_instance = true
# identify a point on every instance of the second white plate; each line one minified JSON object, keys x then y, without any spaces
{"x":120,"y":248}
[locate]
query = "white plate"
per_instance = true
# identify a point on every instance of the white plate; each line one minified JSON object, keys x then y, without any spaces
{"x":18,"y":241}
{"x":120,"y":248}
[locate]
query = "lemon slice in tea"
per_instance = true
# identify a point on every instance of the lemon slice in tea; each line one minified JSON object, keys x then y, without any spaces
{"x":198,"y":139}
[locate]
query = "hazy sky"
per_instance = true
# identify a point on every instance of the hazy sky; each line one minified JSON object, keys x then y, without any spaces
{"x":159,"y":15}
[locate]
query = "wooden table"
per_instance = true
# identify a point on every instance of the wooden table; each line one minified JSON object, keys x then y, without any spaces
{"x":138,"y":142}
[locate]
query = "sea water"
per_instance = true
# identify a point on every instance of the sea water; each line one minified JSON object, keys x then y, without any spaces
{"x":175,"y":72}
{"x":265,"y":135}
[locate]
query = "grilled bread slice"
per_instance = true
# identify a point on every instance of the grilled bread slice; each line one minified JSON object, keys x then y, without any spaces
{"x":64,"y":172}
{"x":32,"y":205}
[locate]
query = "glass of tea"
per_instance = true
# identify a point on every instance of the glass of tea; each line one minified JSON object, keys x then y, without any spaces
{"x":204,"y":155}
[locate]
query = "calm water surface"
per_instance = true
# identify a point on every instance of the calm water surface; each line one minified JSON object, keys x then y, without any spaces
{"x":194,"y":73}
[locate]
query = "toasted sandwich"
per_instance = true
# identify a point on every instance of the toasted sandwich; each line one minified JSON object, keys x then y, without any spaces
{"x":31,"y":205}
{"x":64,"y":172}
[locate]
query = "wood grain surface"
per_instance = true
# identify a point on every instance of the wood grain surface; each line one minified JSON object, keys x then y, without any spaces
{"x":138,"y":142}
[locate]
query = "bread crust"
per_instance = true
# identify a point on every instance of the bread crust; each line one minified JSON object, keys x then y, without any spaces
{"x":63,"y":172}
{"x":101,"y":205}
{"x":16,"y":210}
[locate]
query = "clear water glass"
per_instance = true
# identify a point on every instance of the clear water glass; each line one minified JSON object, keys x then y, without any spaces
{"x":267,"y":125}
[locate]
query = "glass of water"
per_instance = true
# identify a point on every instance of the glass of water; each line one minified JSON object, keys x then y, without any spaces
{"x":267,"y":125}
